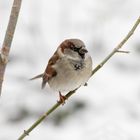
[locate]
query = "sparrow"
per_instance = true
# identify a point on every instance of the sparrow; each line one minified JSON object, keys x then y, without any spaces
{"x":69,"y":68}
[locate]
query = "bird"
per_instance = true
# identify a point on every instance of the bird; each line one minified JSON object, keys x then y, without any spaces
{"x":69,"y":68}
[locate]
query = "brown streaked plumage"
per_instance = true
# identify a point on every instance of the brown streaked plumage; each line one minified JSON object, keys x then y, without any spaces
{"x":68,"y":68}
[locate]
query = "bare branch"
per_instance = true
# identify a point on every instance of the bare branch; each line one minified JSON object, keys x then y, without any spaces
{"x":8,"y":39}
{"x":54,"y":107}
{"x":118,"y":46}
{"x":121,"y":51}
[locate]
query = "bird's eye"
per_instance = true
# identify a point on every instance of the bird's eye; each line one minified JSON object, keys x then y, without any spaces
{"x":75,"y":49}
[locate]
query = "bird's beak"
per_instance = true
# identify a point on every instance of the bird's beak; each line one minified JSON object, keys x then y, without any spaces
{"x":83,"y":51}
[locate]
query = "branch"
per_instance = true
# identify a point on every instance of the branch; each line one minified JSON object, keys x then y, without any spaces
{"x":8,"y":39}
{"x":54,"y":107}
{"x":119,"y":46}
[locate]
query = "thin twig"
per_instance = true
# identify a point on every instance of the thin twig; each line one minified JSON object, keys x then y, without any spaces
{"x":118,"y":46}
{"x":121,"y":51}
{"x":8,"y":39}
{"x":54,"y":107}
{"x":26,"y":132}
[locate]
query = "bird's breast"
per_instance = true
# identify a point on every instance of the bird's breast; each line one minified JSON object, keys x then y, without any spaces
{"x":70,"y":74}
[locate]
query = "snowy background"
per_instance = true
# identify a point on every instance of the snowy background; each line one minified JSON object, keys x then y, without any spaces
{"x":109,"y":107}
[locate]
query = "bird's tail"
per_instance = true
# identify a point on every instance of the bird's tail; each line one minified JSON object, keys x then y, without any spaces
{"x":36,"y":77}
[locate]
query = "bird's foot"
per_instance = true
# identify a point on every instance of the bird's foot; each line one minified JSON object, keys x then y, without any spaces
{"x":85,"y":84}
{"x":62,"y":98}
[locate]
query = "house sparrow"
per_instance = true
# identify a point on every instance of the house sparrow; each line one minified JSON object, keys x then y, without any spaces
{"x":69,"y":67}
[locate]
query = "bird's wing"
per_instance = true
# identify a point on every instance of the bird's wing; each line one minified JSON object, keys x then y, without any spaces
{"x":50,"y":71}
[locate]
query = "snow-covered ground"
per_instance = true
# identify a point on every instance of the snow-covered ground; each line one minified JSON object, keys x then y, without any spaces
{"x":109,"y":107}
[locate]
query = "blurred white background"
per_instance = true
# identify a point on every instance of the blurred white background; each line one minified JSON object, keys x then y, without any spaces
{"x":109,"y":107}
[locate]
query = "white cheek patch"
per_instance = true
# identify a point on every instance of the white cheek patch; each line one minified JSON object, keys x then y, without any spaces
{"x":73,"y":58}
